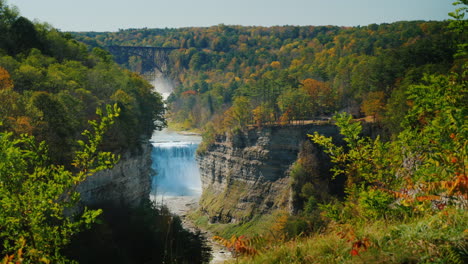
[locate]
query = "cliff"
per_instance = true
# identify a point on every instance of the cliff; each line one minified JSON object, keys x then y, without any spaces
{"x":128,"y":183}
{"x":248,"y":173}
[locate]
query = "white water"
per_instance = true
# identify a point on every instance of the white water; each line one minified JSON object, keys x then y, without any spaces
{"x":177,"y":183}
{"x":163,"y":86}
{"x":173,"y":156}
{"x":177,"y":172}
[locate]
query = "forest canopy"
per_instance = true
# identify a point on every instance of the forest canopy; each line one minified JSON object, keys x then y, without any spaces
{"x":63,"y":109}
{"x":50,"y":85}
{"x":362,"y":70}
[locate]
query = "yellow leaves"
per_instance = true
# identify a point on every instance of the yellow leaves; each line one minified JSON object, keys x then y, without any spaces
{"x":280,"y":224}
{"x":18,"y":258}
{"x":275,"y":65}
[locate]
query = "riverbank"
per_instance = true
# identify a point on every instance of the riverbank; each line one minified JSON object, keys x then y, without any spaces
{"x":182,"y":206}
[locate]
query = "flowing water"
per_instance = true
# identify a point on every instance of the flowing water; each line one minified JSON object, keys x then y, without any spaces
{"x":174,"y":162}
{"x":177,"y":183}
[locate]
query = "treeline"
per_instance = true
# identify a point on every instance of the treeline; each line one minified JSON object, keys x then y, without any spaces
{"x":291,"y":73}
{"x":50,"y":85}
{"x":50,"y":89}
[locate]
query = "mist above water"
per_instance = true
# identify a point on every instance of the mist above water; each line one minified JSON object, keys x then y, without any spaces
{"x":163,"y":86}
{"x":173,"y":156}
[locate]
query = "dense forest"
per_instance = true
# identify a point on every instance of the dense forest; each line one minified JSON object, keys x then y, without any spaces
{"x":68,"y":111}
{"x":405,"y":191}
{"x":281,"y":74}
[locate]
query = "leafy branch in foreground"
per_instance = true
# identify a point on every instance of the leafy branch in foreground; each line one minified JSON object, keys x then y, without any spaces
{"x":35,"y":196}
{"x":426,"y":164}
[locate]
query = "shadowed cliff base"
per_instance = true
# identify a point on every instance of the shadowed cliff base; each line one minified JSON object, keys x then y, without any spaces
{"x":145,"y":234}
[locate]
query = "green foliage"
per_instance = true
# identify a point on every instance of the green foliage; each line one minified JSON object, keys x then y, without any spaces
{"x":364,"y":161}
{"x":288,"y":73}
{"x":311,"y":205}
{"x":406,"y":198}
{"x":58,"y":84}
{"x":459,"y":26}
{"x":208,"y":136}
{"x":332,"y":210}
{"x":374,"y":203}
{"x":436,"y":238}
{"x":38,"y":198}
{"x":89,"y":160}
{"x":238,"y":116}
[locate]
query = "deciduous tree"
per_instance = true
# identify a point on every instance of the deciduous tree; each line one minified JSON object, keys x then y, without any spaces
{"x":38,"y":198}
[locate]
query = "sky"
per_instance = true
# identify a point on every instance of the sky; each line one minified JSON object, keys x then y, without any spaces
{"x":112,"y":15}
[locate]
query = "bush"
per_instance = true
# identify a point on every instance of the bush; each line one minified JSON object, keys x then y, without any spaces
{"x":374,"y":203}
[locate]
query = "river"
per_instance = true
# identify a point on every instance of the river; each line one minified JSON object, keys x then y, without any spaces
{"x":177,"y":183}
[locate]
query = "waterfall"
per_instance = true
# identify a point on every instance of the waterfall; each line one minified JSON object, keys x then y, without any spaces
{"x":177,"y":172}
{"x":173,"y":155}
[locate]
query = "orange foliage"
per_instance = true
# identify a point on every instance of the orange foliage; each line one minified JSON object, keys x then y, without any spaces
{"x":458,"y":187}
{"x":285,"y":118}
{"x":357,"y":244}
{"x":374,"y":104}
{"x":237,"y":245}
{"x":320,"y":92}
{"x":5,"y":79}
{"x":313,"y":87}
{"x":21,"y":125}
{"x":189,"y":92}
{"x":276,"y":64}
{"x":9,"y":259}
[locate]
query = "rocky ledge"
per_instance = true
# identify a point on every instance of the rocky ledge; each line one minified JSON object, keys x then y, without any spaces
{"x":248,"y":173}
{"x":128,"y":183}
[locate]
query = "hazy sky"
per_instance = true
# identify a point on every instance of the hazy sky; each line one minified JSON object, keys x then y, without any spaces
{"x":111,"y":15}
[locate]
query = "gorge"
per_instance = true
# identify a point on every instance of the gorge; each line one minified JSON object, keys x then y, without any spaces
{"x":248,"y":173}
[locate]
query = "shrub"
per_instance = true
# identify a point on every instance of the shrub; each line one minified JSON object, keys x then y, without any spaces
{"x":374,"y":203}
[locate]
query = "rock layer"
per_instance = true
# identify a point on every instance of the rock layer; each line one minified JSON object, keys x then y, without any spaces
{"x":128,"y":183}
{"x":248,"y":173}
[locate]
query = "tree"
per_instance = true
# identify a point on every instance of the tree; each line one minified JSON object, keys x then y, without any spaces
{"x":56,"y":127}
{"x":459,"y":26}
{"x":296,"y":103}
{"x":320,"y":94}
{"x":24,"y":36}
{"x":426,"y":161}
{"x":262,"y":114}
{"x":38,"y":198}
{"x":373,"y":104}
{"x":238,"y":115}
{"x":5,"y":79}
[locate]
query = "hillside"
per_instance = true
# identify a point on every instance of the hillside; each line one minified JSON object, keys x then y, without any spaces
{"x":405,"y":190}
{"x":288,"y":73}
{"x":69,"y":113}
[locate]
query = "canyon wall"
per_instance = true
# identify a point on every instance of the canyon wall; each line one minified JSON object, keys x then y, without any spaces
{"x":128,"y":183}
{"x":248,"y":173}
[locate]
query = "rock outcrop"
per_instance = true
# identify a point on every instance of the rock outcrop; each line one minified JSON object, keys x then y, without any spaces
{"x":128,"y":183}
{"x":248,"y":173}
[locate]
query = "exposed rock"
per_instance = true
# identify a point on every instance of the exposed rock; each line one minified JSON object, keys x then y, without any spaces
{"x":128,"y":183}
{"x":248,"y":173}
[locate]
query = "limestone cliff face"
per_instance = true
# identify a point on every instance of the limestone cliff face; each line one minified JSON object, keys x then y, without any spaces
{"x":128,"y":183}
{"x":248,"y":173}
